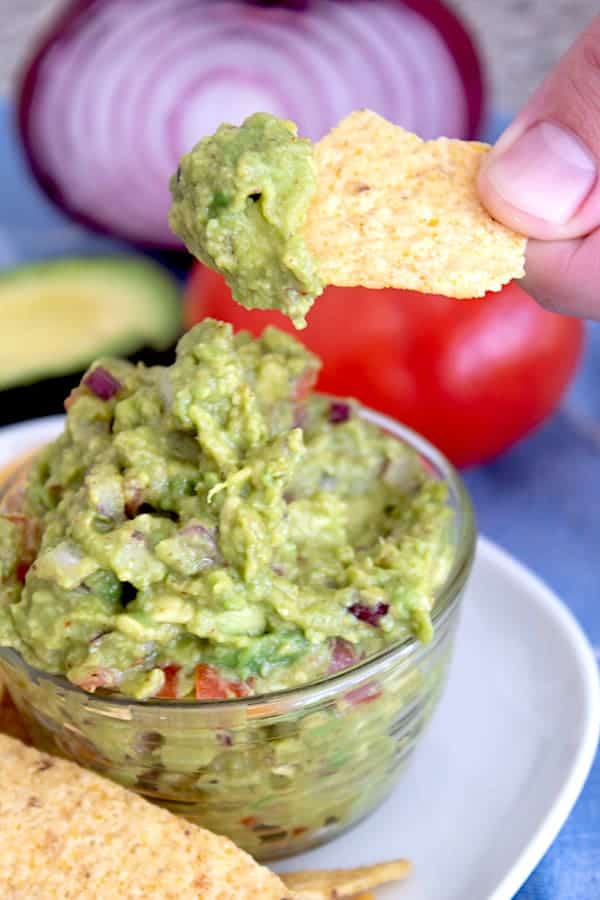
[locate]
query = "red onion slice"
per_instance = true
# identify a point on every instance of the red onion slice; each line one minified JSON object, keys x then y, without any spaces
{"x":119,"y":89}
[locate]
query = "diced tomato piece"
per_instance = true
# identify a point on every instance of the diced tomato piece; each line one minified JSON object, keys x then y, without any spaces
{"x":31,"y":535}
{"x":23,"y":568}
{"x":239,"y":688}
{"x":30,"y":526}
{"x":70,"y":400}
{"x":210,"y":685}
{"x":169,"y":688}
{"x":249,"y":821}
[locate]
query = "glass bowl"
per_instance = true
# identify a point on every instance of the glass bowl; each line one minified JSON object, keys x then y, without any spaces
{"x":277,"y":773}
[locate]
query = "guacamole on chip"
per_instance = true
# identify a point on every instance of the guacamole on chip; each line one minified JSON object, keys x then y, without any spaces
{"x":214,"y":530}
{"x":370,"y":204}
{"x":240,"y":199}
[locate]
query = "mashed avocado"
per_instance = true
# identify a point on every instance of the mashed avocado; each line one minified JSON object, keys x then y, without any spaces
{"x":240,"y":198}
{"x":214,"y":530}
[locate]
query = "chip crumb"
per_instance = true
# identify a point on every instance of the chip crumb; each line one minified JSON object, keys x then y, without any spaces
{"x":335,"y":884}
{"x":392,"y":210}
{"x":69,"y":834}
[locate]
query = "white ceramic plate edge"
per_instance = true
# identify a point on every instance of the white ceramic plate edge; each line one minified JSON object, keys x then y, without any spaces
{"x":544,"y":836}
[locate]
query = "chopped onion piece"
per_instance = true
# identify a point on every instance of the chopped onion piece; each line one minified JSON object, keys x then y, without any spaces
{"x":339,"y":412}
{"x":343,"y":655}
{"x":369,"y":614}
{"x":102,"y":383}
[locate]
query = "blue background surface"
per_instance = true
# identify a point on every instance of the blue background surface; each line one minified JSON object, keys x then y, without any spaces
{"x":541,"y":500}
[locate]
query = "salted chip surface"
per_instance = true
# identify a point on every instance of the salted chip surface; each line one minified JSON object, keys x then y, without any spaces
{"x":392,"y":210}
{"x":328,"y":884}
{"x":69,"y":833}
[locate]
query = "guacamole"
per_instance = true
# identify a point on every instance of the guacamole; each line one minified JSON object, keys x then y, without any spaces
{"x":214,"y":530}
{"x":240,"y":198}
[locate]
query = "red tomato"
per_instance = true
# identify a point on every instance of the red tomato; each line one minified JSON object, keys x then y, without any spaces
{"x":210,"y":685}
{"x":473,"y":376}
{"x":169,"y":688}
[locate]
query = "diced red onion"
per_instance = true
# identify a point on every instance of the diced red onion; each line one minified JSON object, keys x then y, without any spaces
{"x":165,"y":387}
{"x":198,"y":529}
{"x":300,"y":417}
{"x":109,"y":499}
{"x":369,"y":614}
{"x":66,"y":556}
{"x":118,"y":89}
{"x":402,"y":473}
{"x":363,"y":694}
{"x":343,"y":655}
{"x":339,"y":412}
{"x":102,"y":383}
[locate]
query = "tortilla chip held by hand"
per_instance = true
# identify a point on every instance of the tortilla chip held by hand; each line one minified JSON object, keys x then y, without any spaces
{"x":392,"y":210}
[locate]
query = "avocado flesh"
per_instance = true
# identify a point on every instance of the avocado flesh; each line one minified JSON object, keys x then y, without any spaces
{"x":58,"y":316}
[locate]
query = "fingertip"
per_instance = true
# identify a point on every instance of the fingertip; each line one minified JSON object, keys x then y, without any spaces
{"x":497,"y":206}
{"x":562,"y":275}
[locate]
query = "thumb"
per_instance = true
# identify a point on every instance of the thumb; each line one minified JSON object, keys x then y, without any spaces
{"x":541,"y":178}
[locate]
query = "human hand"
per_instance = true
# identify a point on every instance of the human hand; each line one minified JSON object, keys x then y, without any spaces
{"x":541,"y":178}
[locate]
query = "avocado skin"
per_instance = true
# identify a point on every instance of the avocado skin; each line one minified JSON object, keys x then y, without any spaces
{"x":47,"y":397}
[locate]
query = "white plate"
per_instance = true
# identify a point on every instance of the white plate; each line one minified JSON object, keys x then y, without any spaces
{"x":506,"y":754}
{"x":505,"y":757}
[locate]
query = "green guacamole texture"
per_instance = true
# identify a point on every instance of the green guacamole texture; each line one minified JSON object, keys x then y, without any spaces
{"x":240,"y":199}
{"x":213,"y":529}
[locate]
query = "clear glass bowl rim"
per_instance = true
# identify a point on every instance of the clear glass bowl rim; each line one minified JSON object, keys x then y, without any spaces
{"x":446,"y":598}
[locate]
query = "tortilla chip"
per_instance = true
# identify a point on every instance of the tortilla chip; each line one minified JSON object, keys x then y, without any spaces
{"x":394,"y":211}
{"x":337,"y":883}
{"x":68,"y":834}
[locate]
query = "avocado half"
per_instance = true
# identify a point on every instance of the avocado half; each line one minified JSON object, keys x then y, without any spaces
{"x":56,"y":317}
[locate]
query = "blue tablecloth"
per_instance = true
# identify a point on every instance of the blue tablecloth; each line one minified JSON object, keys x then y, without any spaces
{"x":540,"y":500}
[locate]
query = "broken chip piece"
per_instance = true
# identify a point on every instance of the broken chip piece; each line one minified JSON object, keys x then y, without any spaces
{"x":325,"y":884}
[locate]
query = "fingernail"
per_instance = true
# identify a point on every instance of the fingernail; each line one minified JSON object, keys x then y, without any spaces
{"x":546,"y":172}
